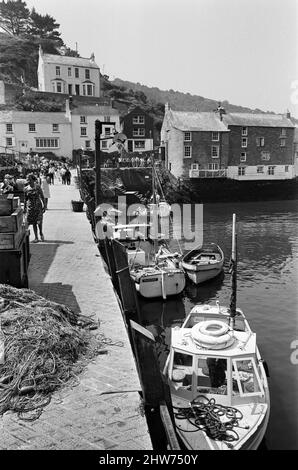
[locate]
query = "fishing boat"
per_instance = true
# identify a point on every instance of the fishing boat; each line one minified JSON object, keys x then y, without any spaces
{"x":162,"y":277}
{"x":217,"y":378}
{"x":203,"y":263}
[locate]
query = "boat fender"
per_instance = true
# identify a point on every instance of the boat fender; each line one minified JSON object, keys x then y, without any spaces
{"x":213,"y":328}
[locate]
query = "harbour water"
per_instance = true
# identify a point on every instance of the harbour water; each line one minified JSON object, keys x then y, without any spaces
{"x":267,"y":293}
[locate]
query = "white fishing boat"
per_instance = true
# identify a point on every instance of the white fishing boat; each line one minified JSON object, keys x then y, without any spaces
{"x":218,"y":379}
{"x":203,"y":263}
{"x":161,"y":278}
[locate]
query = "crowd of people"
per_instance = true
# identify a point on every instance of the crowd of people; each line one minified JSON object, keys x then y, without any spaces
{"x":35,"y":190}
{"x":134,"y":161}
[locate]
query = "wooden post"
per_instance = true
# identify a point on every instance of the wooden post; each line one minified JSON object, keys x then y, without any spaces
{"x":98,"y":191}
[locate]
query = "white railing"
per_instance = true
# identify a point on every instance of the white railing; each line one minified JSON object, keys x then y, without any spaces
{"x":221,"y":173}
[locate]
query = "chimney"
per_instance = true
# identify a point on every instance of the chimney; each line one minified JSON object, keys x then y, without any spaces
{"x":92,"y":58}
{"x":288,"y":114}
{"x":67,"y":110}
{"x":220,"y":110}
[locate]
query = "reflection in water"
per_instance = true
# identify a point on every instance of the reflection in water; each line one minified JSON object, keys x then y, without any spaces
{"x":267,"y":293}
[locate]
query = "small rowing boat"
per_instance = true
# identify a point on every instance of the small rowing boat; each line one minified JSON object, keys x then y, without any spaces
{"x":203,"y":263}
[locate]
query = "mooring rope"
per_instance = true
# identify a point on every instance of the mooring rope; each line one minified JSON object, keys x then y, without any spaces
{"x":206,"y":416}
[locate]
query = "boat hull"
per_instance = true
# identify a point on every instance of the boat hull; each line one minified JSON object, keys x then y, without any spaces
{"x":159,"y":283}
{"x":202,"y":273}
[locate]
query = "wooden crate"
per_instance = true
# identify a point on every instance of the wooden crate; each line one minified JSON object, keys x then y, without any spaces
{"x":11,"y":241}
{"x":8,"y":204}
{"x":11,"y":223}
{"x":14,"y":264}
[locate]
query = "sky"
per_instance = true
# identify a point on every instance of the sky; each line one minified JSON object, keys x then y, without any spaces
{"x":243,"y":51}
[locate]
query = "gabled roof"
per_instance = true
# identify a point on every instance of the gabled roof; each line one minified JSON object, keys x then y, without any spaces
{"x":95,"y":111}
{"x":260,"y":119}
{"x":68,"y":61}
{"x":28,"y":117}
{"x":196,"y":121}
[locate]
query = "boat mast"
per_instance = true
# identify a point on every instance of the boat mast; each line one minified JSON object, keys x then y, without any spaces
{"x":154,"y":208}
{"x":233,"y":271}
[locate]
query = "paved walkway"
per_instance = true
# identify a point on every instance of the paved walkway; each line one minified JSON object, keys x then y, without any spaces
{"x":103,"y":411}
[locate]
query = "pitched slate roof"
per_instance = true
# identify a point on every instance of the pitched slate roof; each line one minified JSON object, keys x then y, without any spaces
{"x":95,"y":111}
{"x":32,"y":117}
{"x":262,"y":120}
{"x":196,"y":121}
{"x":66,"y":60}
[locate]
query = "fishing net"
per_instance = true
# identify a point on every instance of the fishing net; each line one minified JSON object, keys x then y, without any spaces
{"x":46,"y":346}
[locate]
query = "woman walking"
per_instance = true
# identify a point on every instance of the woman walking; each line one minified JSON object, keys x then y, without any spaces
{"x":34,"y":206}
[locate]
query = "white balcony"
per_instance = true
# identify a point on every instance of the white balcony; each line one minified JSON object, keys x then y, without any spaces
{"x":205,"y":173}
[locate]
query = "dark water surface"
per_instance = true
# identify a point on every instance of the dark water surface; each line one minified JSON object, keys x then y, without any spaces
{"x":267,"y":293}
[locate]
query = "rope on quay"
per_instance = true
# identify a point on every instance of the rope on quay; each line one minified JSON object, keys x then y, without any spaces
{"x":46,"y":346}
{"x":207,"y":415}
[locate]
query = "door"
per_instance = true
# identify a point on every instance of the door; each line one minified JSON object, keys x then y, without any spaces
{"x":70,"y":89}
{"x":77,"y":89}
{"x":129,"y":144}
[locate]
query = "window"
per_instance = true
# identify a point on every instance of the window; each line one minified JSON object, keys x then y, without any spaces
{"x":59,"y":87}
{"x":244,"y":131}
{"x":283,"y":132}
{"x":213,"y":166}
{"x":286,"y":168}
{"x":138,"y":120}
{"x":32,"y":128}
{"x":282,"y":142}
{"x":55,"y":127}
{"x":260,"y":141}
{"x":107,"y":131}
{"x":182,"y":370}
{"x":83,"y":130}
{"x":187,"y":136}
{"x":246,"y":379}
{"x":271,"y":170}
{"x":47,"y":143}
{"x":107,"y":118}
{"x":265,"y":156}
{"x":139,"y":144}
{"x":211,"y":376}
{"x":104,"y":144}
{"x":9,"y":128}
{"x":87,"y":144}
{"x":243,"y":157}
{"x":215,"y":151}
{"x":241,"y":170}
{"x":83,"y":120}
{"x":77,"y":75}
{"x":139,"y":131}
{"x":260,"y":169}
{"x":195,"y":166}
{"x":87,"y":74}
{"x":244,"y":142}
{"x":58,"y":71}
{"x":215,"y":136}
{"x":69,"y":71}
{"x":8,"y":141}
{"x":187,"y":151}
{"x":88,"y":90}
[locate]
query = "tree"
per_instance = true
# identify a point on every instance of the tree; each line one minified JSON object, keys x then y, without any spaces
{"x":44,"y":26}
{"x":14,"y":17}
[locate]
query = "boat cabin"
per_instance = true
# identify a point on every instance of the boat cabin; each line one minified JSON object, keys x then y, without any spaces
{"x":232,"y":375}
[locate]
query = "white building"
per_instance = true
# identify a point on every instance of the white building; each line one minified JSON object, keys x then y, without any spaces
{"x":61,"y":133}
{"x":68,"y":75}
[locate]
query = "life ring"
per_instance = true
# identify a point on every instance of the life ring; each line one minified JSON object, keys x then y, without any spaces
{"x":208,"y":340}
{"x":213,"y":328}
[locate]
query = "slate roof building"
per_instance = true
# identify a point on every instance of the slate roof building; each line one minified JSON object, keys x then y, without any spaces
{"x":244,"y":146}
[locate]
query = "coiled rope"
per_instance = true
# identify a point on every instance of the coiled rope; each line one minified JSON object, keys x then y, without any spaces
{"x":217,"y":421}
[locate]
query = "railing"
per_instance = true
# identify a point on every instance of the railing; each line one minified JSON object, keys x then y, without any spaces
{"x":221,"y":173}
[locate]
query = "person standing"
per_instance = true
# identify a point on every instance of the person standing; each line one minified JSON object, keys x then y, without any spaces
{"x":68,"y":176}
{"x":45,"y":187}
{"x":52,"y":174}
{"x":34,"y":206}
